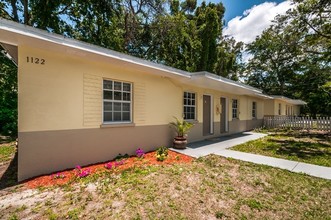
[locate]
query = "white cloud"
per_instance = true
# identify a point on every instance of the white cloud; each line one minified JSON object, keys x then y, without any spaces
{"x":254,"y":20}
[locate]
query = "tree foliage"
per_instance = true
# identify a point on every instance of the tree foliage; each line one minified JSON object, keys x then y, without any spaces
{"x":181,"y":34}
{"x":8,"y":97}
{"x":293,"y":56}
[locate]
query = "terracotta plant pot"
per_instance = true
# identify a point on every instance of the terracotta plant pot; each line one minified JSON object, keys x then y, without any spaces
{"x":180,"y":142}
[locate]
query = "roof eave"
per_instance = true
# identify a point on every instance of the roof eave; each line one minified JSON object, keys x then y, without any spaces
{"x":82,"y":46}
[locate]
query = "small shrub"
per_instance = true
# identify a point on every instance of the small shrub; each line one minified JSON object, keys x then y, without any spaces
{"x":120,"y":156}
{"x":161,"y":153}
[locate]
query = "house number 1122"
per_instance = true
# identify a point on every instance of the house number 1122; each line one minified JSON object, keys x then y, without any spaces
{"x":35,"y":60}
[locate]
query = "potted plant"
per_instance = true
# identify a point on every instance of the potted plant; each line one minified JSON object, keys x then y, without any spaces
{"x":182,"y":127}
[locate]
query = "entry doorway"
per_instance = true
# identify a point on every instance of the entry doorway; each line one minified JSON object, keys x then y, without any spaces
{"x":207,"y":115}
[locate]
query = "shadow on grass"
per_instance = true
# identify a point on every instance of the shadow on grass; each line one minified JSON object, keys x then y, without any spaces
{"x":9,"y":178}
{"x":300,"y":149}
{"x":322,"y":136}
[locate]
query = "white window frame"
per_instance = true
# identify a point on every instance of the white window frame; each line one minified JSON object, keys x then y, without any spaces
{"x":190,"y":106}
{"x":254,"y":110}
{"x":117,"y":101}
{"x":236,"y":108}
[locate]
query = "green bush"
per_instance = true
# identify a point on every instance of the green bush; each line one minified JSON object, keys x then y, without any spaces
{"x":8,"y":122}
{"x":161,"y":153}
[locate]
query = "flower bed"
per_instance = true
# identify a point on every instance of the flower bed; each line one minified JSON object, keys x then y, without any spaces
{"x":61,"y":178}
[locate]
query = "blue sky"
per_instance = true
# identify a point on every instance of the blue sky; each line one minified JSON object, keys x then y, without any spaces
{"x":246,"y":19}
{"x":235,"y":8}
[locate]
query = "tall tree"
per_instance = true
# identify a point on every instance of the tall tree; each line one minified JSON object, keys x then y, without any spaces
{"x":229,"y":62}
{"x":293,"y":57}
{"x":175,"y":44}
{"x":275,"y":60}
{"x":188,"y":38}
{"x":98,"y":22}
{"x":49,"y":15}
{"x":209,"y":22}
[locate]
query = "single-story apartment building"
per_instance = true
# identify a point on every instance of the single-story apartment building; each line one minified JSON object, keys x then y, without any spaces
{"x":281,"y":105}
{"x":80,"y":104}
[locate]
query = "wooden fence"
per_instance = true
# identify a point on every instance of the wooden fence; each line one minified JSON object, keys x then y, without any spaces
{"x":305,"y":123}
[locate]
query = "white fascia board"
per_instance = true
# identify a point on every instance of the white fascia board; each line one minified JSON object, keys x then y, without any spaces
{"x":230,"y":82}
{"x":264,"y":96}
{"x":299,"y":102}
{"x":288,"y":100}
{"x":35,"y":33}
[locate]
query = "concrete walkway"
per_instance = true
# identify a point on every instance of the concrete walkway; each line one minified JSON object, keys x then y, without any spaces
{"x":219,"y":146}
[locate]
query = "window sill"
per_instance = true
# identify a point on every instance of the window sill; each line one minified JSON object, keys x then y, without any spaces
{"x":117,"y":125}
{"x":235,"y":119}
{"x":192,"y":121}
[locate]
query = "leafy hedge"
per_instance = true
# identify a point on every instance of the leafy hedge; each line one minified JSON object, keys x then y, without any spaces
{"x":8,"y":97}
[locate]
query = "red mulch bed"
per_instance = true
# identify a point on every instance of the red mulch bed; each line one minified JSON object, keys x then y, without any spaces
{"x":149,"y":159}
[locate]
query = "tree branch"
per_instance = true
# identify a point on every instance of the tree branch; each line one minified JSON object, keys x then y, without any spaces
{"x":6,"y":13}
{"x":318,"y":32}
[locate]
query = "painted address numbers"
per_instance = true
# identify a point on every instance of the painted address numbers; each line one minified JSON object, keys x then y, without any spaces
{"x":35,"y":60}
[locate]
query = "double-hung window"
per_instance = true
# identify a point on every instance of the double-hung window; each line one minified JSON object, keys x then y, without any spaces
{"x":234,"y":108}
{"x":117,"y":103}
{"x":189,"y":106}
{"x":253,"y":109}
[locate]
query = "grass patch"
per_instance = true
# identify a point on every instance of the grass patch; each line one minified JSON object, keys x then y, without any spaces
{"x":210,"y":187}
{"x":292,"y":145}
{"x":7,"y":151}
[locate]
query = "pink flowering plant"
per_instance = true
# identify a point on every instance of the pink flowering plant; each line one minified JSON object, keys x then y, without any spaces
{"x":119,"y":163}
{"x":82,"y":172}
{"x":140,"y":153}
{"x":113,"y":165}
{"x":109,"y":165}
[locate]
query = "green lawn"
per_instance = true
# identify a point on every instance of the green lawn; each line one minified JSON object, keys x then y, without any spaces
{"x":292,"y":145}
{"x":212,"y":187}
{"x":7,"y":151}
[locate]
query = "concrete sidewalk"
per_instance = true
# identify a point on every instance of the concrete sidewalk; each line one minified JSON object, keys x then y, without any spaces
{"x":219,"y":146}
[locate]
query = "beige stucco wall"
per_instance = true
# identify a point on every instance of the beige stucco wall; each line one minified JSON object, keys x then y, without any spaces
{"x":297,"y":110}
{"x":245,"y":107}
{"x":271,"y":108}
{"x":60,"y":111}
{"x":66,"y":93}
